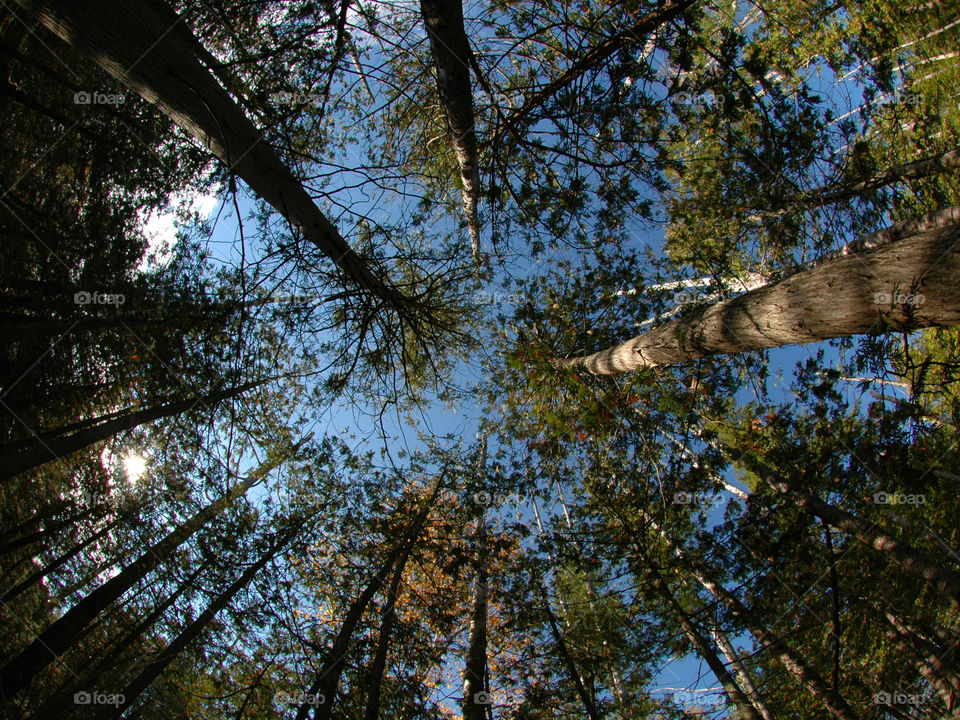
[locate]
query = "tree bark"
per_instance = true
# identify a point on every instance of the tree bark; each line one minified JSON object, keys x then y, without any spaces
{"x":73,"y":625}
{"x":585,"y":697}
{"x":848,"y":295}
{"x":143,"y":680}
{"x":328,"y":677}
{"x":443,"y":20}
{"x":743,"y":676}
{"x":57,"y":444}
{"x":140,"y":44}
{"x":475,"y":669}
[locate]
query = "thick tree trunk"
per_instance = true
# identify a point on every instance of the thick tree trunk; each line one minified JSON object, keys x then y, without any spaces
{"x":56,"y":444}
{"x":328,"y":677}
{"x":73,"y":625}
{"x":143,"y":680}
{"x":443,"y":20}
{"x":850,"y":295}
{"x":140,"y":44}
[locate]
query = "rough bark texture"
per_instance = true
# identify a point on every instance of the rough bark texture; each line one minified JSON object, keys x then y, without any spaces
{"x":142,"y":45}
{"x":743,"y":676}
{"x":443,"y":20}
{"x":475,"y":669}
{"x":848,"y":295}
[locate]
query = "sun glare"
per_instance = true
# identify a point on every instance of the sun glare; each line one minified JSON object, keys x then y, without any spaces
{"x":134,"y":466}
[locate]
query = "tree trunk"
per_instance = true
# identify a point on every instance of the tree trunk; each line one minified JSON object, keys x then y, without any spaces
{"x":850,"y":295}
{"x":789,"y":658}
{"x":137,"y":42}
{"x":585,"y":696}
{"x":703,"y":647}
{"x":56,"y":444}
{"x":743,"y":676}
{"x":944,"y":580}
{"x":328,"y":677}
{"x":73,"y":625}
{"x":52,"y":708}
{"x":142,"y":681}
{"x":475,"y":669}
{"x":940,"y":673}
{"x":443,"y":20}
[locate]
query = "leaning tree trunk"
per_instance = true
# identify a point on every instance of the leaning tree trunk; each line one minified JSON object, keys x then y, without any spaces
{"x":851,"y":295}
{"x":143,"y":45}
{"x":575,"y":675}
{"x":443,"y":20}
{"x":702,"y":646}
{"x":73,"y":625}
{"x":146,"y":676}
{"x":56,"y":444}
{"x":328,"y":677}
{"x":789,"y":658}
{"x":943,"y":579}
{"x":743,"y":675}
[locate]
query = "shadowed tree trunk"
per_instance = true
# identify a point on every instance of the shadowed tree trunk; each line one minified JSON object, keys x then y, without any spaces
{"x":850,"y":295}
{"x":575,"y":675}
{"x":145,"y":46}
{"x":443,"y":20}
{"x":475,"y":669}
{"x":146,"y":676}
{"x":743,"y":675}
{"x":328,"y":677}
{"x":56,"y":444}
{"x":74,"y":624}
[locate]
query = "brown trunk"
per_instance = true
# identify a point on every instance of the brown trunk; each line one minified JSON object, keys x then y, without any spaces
{"x":585,"y":696}
{"x":845,"y":296}
{"x":443,"y":20}
{"x":140,"y":44}
{"x":73,"y":625}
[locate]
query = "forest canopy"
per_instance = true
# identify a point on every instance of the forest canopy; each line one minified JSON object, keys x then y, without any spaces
{"x":513,"y":360}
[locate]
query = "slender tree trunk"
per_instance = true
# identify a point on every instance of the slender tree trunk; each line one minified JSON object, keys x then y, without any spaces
{"x":702,"y":646}
{"x":743,"y":676}
{"x":940,"y":673}
{"x":443,"y":20}
{"x":585,"y":696}
{"x":52,"y":708}
{"x":944,"y":580}
{"x":372,"y":710}
{"x":140,"y":44}
{"x":73,"y":625}
{"x":146,"y":676}
{"x":41,"y":451}
{"x":475,"y":669}
{"x":57,"y":563}
{"x":848,"y":295}
{"x":787,"y":656}
{"x":328,"y":677}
